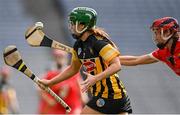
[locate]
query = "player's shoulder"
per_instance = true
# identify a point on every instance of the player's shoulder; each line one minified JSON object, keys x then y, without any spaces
{"x":96,"y":38}
{"x":91,"y":38}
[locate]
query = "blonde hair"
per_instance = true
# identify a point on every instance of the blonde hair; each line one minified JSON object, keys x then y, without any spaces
{"x":100,"y":32}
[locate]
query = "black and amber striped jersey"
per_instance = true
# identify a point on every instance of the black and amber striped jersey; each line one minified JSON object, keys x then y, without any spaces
{"x":94,"y":54}
{"x":3,"y":104}
{"x":3,"y":101}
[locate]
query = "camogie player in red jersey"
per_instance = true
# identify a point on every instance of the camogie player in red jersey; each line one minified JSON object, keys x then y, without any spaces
{"x":68,"y":90}
{"x":165,"y":35}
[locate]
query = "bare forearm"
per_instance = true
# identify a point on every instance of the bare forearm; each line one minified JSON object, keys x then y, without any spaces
{"x":113,"y":68}
{"x":67,"y":73}
{"x":127,"y":57}
{"x":128,"y":60}
{"x":136,"y":60}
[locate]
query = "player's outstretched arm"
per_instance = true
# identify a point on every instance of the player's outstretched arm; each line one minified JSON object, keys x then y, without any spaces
{"x":136,"y":60}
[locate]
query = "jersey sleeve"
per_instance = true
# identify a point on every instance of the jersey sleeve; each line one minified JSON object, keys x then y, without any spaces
{"x":106,"y":50}
{"x":75,"y":58}
{"x":156,"y":54}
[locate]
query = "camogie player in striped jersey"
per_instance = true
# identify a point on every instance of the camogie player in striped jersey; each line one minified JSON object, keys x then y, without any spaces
{"x":8,"y":99}
{"x":100,"y":58}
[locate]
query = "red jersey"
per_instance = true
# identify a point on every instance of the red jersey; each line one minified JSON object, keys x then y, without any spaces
{"x":164,"y":55}
{"x":68,"y":90}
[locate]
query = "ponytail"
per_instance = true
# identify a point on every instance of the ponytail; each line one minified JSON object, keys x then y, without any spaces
{"x":100,"y":32}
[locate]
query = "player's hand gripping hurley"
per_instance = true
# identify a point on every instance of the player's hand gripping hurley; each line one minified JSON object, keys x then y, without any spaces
{"x":13,"y":58}
{"x":36,"y":38}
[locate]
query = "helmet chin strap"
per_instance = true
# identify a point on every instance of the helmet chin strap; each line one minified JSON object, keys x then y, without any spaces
{"x":80,"y":32}
{"x":167,"y":39}
{"x":163,"y":37}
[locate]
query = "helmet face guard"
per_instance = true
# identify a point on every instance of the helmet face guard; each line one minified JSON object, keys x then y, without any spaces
{"x":83,"y":15}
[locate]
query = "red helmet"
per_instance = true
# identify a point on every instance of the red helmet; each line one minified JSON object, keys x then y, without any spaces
{"x":166,"y":23}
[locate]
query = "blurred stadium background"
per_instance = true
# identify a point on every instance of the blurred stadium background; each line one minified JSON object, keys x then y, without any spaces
{"x":152,"y":89}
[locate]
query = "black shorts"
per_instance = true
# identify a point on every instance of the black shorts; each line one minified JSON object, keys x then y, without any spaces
{"x":110,"y":106}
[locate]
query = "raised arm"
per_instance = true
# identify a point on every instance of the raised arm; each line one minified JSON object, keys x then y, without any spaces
{"x":137,"y":60}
